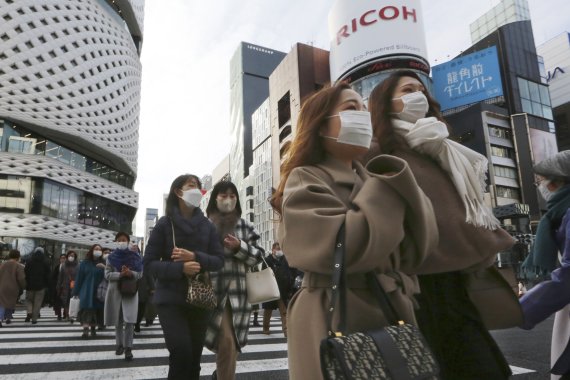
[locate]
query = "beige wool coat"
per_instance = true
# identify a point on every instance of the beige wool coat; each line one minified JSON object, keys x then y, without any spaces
{"x":390,"y":227}
{"x":462,"y":246}
{"x":12,"y":280}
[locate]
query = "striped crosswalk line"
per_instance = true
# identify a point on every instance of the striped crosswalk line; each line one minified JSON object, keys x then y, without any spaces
{"x":54,"y":350}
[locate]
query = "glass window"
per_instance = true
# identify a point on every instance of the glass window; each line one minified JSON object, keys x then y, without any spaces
{"x":526,"y":106}
{"x":523,"y":87}
{"x":534,"y":92}
{"x":536,"y":109}
{"x":547,"y":112}
{"x":544,"y":95}
{"x":21,"y":145}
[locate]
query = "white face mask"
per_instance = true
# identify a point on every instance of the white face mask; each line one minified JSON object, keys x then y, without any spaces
{"x":71,"y":259}
{"x":355,"y":128}
{"x":279,"y":253}
{"x":122,"y":245}
{"x":105,"y":256}
{"x":416,"y":107}
{"x":226,"y":205}
{"x":546,"y":194}
{"x":192,"y":197}
{"x":97,"y":254}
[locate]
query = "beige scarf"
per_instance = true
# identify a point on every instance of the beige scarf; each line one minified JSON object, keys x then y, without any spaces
{"x":466,"y":167}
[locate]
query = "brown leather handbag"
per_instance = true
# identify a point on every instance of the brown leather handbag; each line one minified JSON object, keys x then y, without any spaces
{"x":494,"y":297}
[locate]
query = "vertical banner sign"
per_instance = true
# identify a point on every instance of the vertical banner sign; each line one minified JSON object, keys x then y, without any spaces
{"x":468,"y":79}
{"x":362,"y":31}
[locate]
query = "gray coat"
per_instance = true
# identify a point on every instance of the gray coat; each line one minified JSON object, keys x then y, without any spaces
{"x":114,"y":300}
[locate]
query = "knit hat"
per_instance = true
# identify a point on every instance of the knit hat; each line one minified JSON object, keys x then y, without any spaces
{"x":39,"y":250}
{"x":555,"y":167}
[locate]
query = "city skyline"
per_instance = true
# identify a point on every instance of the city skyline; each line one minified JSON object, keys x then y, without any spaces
{"x":186,"y":58}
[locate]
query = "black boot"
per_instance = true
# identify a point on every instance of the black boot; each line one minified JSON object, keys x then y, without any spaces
{"x":85,"y":334}
{"x":255,"y":320}
{"x":93,"y":332}
{"x":28,"y":318}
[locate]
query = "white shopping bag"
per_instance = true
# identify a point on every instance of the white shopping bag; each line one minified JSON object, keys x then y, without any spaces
{"x":73,"y":307}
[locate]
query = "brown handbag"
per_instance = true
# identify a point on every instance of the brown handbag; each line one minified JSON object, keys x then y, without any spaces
{"x":494,"y":297}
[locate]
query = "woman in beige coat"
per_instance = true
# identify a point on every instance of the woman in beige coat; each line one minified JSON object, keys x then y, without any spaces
{"x":389,"y":223}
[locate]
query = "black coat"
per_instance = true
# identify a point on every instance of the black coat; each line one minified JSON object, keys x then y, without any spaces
{"x":285,"y":277}
{"x":37,"y":272}
{"x":196,"y":234}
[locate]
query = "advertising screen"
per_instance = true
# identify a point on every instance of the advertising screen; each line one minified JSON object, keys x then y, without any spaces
{"x":362,"y":31}
{"x":468,"y":79}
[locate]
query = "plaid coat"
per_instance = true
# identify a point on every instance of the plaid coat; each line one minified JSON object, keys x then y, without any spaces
{"x":229,"y":284}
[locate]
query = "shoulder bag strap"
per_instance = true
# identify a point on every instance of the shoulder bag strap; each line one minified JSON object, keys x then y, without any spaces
{"x":173,"y":237}
{"x":338,"y":290}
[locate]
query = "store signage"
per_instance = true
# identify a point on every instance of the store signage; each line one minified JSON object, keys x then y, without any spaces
{"x":362,"y":31}
{"x":552,"y":74}
{"x":468,"y":79}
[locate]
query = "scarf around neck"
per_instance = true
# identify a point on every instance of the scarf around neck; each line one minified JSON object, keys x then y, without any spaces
{"x":130,"y":259}
{"x":544,"y":253}
{"x":466,"y":168}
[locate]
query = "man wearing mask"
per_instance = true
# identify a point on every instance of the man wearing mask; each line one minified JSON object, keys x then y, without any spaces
{"x":56,"y":299}
{"x":278,"y":263}
{"x":551,"y":255}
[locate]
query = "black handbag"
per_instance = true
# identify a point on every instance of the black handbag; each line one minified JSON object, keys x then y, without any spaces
{"x":396,"y":352}
{"x":128,"y":286}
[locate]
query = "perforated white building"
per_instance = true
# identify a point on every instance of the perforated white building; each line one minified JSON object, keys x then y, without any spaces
{"x":70,"y":78}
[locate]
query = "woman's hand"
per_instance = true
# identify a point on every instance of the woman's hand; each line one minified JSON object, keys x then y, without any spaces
{"x":181,"y":254}
{"x":125,"y":272}
{"x":231,"y":242}
{"x":191,"y":267}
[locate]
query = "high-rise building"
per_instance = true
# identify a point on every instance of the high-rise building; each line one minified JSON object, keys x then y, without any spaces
{"x":151,"y":217}
{"x":512,"y":124}
{"x":303,"y":71}
{"x":261,"y":175}
{"x":250,"y":68}
{"x":556,"y":55}
{"x":505,"y":12}
{"x":70,"y":79}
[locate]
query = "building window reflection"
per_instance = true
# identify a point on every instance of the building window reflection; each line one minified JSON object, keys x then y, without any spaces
{"x":14,"y":138}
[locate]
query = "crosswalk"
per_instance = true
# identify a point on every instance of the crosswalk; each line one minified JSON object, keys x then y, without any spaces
{"x":54,"y":350}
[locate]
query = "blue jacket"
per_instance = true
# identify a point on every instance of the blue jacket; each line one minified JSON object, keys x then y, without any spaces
{"x":200,"y":236}
{"x":87,"y":280}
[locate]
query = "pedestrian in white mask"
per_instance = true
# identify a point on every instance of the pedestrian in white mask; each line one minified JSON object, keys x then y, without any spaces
{"x":407,"y":124}
{"x":229,"y":323}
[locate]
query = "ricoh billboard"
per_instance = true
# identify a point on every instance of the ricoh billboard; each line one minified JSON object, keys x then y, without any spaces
{"x":362,"y":31}
{"x":468,"y":79}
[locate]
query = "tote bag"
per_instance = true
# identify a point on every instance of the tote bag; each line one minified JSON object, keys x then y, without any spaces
{"x":261,"y":285}
{"x":73,"y":307}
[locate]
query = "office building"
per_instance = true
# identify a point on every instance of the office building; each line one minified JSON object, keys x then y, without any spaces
{"x":556,"y":55}
{"x":69,"y":114}
{"x":250,"y":68}
{"x":505,"y":12}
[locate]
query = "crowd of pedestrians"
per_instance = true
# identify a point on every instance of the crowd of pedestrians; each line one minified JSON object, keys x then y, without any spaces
{"x":411,"y":204}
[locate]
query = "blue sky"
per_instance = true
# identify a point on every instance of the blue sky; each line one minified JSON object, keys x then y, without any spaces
{"x":184,"y":121}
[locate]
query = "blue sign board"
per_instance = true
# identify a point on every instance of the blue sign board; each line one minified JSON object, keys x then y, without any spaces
{"x":468,"y":79}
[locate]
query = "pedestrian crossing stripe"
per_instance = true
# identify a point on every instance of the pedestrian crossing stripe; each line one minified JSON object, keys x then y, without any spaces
{"x":52,"y":342}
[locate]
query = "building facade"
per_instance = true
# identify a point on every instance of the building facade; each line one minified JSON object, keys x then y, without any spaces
{"x":250,"y":68}
{"x":556,"y":55}
{"x":518,"y":130}
{"x":261,"y":174}
{"x":505,"y":12}
{"x":69,"y":114}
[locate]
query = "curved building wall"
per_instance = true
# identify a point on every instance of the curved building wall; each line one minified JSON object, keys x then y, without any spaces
{"x":72,"y":67}
{"x":70,"y":77}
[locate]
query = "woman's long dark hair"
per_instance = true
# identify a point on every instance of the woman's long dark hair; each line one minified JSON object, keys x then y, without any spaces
{"x":89,"y":256}
{"x":222,"y":187}
{"x":307,"y":146}
{"x":172,"y":200}
{"x":381,"y":112}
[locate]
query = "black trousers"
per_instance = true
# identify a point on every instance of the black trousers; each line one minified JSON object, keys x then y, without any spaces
{"x":184,"y":329}
{"x":455,"y":332}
